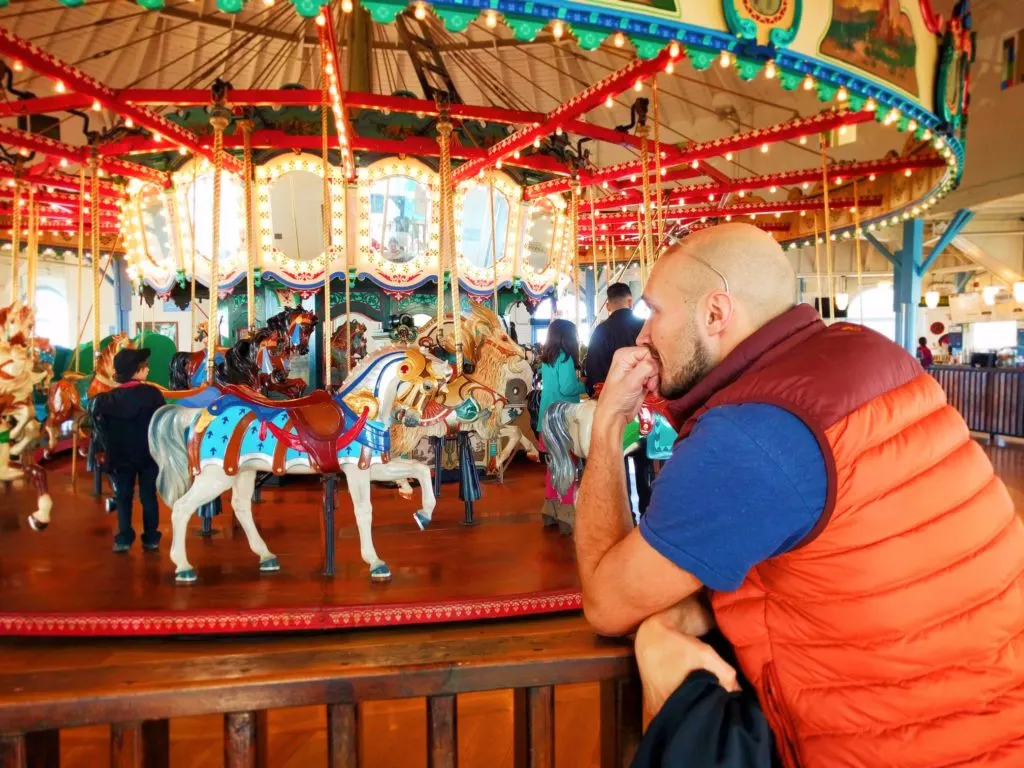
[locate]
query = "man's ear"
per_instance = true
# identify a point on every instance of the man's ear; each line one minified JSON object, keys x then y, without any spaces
{"x":720,"y":309}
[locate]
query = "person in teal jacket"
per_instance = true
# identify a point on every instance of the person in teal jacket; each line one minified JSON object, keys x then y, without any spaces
{"x":560,"y":383}
{"x":559,"y":365}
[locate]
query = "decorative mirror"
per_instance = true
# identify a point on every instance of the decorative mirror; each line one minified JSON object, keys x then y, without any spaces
{"x":399,"y":218}
{"x":539,"y":237}
{"x":155,"y":224}
{"x":199,"y":212}
{"x":483,"y":232}
{"x":296,"y":213}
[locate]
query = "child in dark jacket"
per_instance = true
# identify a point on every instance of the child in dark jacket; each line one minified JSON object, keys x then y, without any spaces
{"x":123,"y":417}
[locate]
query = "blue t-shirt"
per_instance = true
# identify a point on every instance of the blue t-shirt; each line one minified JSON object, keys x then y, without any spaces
{"x":748,"y":483}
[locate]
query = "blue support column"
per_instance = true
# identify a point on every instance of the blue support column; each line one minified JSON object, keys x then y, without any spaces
{"x":907,"y":293}
{"x":122,"y":297}
{"x":590,"y":287}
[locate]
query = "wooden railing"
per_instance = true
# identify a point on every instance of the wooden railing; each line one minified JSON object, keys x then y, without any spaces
{"x":136,"y":685}
{"x":991,"y":400}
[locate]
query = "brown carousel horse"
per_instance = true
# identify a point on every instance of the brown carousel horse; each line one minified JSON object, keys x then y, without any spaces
{"x":286,"y":334}
{"x":339,"y":343}
{"x":103,"y":369}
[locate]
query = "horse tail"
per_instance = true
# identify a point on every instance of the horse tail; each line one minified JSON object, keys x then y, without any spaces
{"x":179,"y":378}
{"x":558,"y":444}
{"x":167,"y":446}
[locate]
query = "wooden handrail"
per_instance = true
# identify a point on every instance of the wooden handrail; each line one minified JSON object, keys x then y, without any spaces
{"x":137,"y":684}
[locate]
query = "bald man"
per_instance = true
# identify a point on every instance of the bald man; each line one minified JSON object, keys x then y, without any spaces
{"x":858,"y":550}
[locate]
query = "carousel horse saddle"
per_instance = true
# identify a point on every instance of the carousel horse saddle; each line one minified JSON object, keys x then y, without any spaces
{"x":320,"y":423}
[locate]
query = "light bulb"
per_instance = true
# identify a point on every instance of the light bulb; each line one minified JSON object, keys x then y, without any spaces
{"x":619,"y":40}
{"x":558,"y":30}
{"x":803,"y":140}
{"x":769,"y":70}
{"x":638,"y":86}
{"x":989,"y":293}
{"x":346,"y":6}
{"x":670,"y":68}
{"x":772,"y":188}
{"x":96,"y":106}
{"x":842,"y":94}
{"x":420,"y":12}
{"x":842,"y":301}
{"x":1018,"y":291}
{"x":673,"y":50}
{"x":536,"y":143}
{"x":728,"y":217}
{"x":609,"y":102}
{"x":17,"y":66}
{"x":908,"y":172}
{"x":321,"y":20}
{"x":59,"y":86}
{"x":743,"y":193}
{"x":931,"y":299}
{"x":764,"y":148}
{"x":516,"y":155}
{"x":728,"y":155}
{"x":497,"y":165}
{"x":182,"y":151}
{"x":558,"y":130}
{"x":604,"y":185}
{"x":63,"y":162}
{"x":129,"y":123}
{"x":872,"y":177}
{"x":724,"y":59}
{"x":695,"y":164}
{"x":491,"y":19}
{"x":808,"y":83}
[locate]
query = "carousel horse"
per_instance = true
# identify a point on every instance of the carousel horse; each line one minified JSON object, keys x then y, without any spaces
{"x":103,"y":371}
{"x":63,"y":404}
{"x":567,"y":429}
{"x":201,"y":452}
{"x":339,"y":342}
{"x":288,"y":334}
{"x":18,"y":425}
{"x":489,"y":394}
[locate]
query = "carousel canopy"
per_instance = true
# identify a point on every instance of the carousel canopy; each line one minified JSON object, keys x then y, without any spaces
{"x":614,"y":124}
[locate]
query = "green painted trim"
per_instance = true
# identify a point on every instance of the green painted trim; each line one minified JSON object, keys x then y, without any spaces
{"x":747,"y":68}
{"x":826,"y":91}
{"x":228,"y":6}
{"x":455,"y":21}
{"x":782,"y":38}
{"x":381,"y":12}
{"x":700,"y":58}
{"x":647,"y":48}
{"x":590,"y":39}
{"x":790,"y":80}
{"x":525,"y":28}
{"x":743,"y":28}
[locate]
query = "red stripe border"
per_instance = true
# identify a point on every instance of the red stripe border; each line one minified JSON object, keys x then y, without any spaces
{"x":210,"y":622}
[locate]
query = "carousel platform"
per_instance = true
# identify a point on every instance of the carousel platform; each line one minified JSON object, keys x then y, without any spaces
{"x":66,"y":581}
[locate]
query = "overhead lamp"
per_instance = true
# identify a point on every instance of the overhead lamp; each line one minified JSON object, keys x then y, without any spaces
{"x":420,"y":13}
{"x":491,"y":19}
{"x":870,"y":105}
{"x":536,"y":143}
{"x":803,"y":140}
{"x":695,"y":164}
{"x":96,"y":106}
{"x":516,"y":155}
{"x":908,"y":172}
{"x":63,"y":162}
{"x":808,"y":83}
{"x":17,"y":66}
{"x":772,"y":188}
{"x":764,"y":148}
{"x":769,"y":70}
{"x":842,"y":94}
{"x":609,"y":102}
{"x":989,"y":294}
{"x":638,"y":86}
{"x":129,"y":123}
{"x":346,"y":6}
{"x":724,"y":59}
{"x":728,"y":155}
{"x":619,"y":40}
{"x":558,"y":30}
{"x":670,"y":67}
{"x":1018,"y":291}
{"x":728,"y":217}
{"x":59,"y":86}
{"x":872,"y":177}
{"x":931,"y":299}
{"x":842,"y":300}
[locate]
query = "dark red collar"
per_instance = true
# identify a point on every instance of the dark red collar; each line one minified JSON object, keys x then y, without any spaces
{"x":754,"y":352}
{"x":132,"y":383}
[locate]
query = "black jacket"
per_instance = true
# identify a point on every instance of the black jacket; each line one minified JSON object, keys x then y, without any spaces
{"x":618,"y":331}
{"x":702,"y":725}
{"x":122,"y":418}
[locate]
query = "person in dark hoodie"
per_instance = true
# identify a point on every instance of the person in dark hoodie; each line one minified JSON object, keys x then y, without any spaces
{"x":123,"y":417}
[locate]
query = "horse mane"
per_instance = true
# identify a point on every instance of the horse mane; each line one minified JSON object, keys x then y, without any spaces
{"x":240,"y":364}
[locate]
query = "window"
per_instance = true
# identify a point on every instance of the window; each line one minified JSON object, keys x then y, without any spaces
{"x":874,"y":309}
{"x":992,"y":337}
{"x":52,"y":317}
{"x":1012,"y":64}
{"x":641,"y":310}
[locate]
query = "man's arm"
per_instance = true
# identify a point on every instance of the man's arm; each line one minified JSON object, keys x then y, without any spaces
{"x":624,"y":578}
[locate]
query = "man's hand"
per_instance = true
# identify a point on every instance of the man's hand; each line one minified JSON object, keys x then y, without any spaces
{"x":633,"y":374}
{"x":666,"y":656}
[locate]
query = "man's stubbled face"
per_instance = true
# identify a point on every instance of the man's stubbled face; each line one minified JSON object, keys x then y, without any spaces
{"x":683,"y":356}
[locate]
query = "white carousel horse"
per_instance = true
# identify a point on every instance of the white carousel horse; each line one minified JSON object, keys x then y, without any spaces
{"x":19,"y":428}
{"x":567,"y":429}
{"x":224,"y":445}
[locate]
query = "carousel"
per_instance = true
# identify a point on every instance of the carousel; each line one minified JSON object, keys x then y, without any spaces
{"x":341,"y":228}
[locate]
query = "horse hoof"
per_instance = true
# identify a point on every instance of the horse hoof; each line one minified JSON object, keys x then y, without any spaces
{"x":421,"y":520}
{"x":186,"y":577}
{"x":380,"y":573}
{"x":270,"y":565}
{"x":36,"y":525}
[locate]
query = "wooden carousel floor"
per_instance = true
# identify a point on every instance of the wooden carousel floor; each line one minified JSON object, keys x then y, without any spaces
{"x":67,"y":580}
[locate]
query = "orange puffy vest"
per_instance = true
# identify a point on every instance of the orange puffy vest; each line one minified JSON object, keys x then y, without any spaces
{"x":893,"y":635}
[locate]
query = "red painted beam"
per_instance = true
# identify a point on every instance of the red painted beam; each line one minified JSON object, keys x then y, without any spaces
{"x":64,"y":200}
{"x":66,"y":182}
{"x":44,"y":104}
{"x":614,"y":84}
{"x":823,"y":122}
{"x":77,"y":81}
